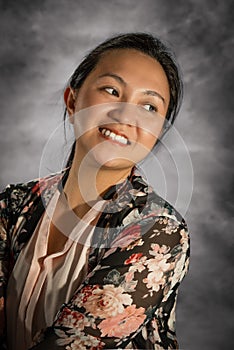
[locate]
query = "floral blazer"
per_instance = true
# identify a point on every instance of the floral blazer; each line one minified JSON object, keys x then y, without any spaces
{"x":139,"y":256}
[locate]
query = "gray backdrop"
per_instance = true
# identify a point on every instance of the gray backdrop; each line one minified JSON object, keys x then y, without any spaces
{"x":41,"y":43}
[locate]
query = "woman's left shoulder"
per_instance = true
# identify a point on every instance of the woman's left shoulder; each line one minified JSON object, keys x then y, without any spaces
{"x":149,"y":206}
{"x":151,"y":221}
{"x":166,"y":222}
{"x":161,"y":208}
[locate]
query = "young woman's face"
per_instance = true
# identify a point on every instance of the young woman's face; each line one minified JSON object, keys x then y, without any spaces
{"x":120,"y":108}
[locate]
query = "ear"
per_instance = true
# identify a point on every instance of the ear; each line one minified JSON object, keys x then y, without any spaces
{"x":69,"y":99}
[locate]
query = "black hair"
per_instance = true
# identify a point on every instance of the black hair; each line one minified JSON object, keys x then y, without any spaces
{"x":147,"y":44}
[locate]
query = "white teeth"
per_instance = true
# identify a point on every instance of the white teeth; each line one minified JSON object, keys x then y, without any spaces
{"x":114,"y":137}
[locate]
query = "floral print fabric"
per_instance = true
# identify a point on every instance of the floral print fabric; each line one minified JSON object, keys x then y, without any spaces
{"x":139,"y":256}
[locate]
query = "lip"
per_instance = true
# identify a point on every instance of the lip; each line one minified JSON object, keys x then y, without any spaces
{"x":117,"y":133}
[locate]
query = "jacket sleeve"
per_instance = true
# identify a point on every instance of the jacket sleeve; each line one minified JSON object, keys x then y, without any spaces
{"x":5,"y":223}
{"x":130,"y":292}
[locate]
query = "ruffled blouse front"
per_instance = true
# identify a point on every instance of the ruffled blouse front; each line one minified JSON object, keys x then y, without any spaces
{"x":41,"y":283}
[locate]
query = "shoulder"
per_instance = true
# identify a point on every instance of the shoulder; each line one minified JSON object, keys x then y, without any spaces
{"x":148,"y":205}
{"x":140,"y":213}
{"x":16,"y":196}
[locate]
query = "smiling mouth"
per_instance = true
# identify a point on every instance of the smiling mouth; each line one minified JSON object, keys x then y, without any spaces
{"x":109,"y":134}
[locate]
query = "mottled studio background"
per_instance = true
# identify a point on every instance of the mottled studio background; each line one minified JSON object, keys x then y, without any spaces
{"x":41,"y":43}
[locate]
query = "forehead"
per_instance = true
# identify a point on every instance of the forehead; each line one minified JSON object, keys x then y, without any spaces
{"x":134,"y":66}
{"x":119,"y":56}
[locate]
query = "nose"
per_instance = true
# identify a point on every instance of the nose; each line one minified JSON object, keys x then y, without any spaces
{"x":124,"y":113}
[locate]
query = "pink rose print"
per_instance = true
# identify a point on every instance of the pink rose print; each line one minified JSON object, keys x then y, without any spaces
{"x":104,"y":302}
{"x":129,"y":276}
{"x":158,"y":266}
{"x":154,"y":280}
{"x":158,"y":250}
{"x":123,"y":324}
{"x":72,"y":319}
{"x":77,"y":340}
{"x":86,"y":342}
{"x":133,"y":258}
{"x":83,"y":295}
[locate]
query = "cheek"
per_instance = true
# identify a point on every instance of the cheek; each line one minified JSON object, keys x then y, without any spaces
{"x":149,"y":129}
{"x":87,"y":99}
{"x":147,"y":139}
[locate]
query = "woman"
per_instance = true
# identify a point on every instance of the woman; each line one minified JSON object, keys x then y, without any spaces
{"x":91,"y":257}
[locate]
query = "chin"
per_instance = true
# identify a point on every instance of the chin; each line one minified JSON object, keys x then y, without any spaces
{"x":114,"y":163}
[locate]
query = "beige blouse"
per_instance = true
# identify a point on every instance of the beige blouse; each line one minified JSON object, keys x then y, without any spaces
{"x":41,"y":283}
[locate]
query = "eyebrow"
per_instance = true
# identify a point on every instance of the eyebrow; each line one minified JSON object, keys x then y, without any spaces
{"x":155,"y":94}
{"x":123,"y":82}
{"x":115,"y":76}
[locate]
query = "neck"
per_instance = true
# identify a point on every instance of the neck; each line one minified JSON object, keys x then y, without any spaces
{"x":86,"y":184}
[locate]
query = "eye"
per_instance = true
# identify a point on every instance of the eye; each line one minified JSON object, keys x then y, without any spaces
{"x":111,"y":91}
{"x":150,"y":108}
